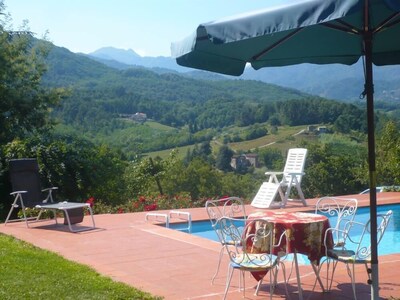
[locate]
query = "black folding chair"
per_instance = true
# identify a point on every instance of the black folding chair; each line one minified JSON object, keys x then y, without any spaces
{"x":27,"y":192}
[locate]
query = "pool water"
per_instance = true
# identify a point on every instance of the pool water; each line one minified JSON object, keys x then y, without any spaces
{"x":389,"y":244}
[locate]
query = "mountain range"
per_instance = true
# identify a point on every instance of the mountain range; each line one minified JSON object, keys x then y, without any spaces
{"x":329,"y":81}
{"x":123,"y":59}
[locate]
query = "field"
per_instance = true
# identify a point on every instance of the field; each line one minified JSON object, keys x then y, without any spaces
{"x":285,"y":137}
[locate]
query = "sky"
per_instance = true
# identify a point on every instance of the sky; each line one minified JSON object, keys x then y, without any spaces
{"x":146,"y":26}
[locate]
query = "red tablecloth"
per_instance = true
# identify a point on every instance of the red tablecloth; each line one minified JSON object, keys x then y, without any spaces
{"x":305,"y":233}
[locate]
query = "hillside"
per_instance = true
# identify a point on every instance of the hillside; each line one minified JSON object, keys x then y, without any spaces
{"x":66,"y":68}
{"x":332,"y":81}
{"x":101,"y":98}
{"x":329,"y":81}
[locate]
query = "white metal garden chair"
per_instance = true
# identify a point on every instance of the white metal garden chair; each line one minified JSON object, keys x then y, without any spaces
{"x":339,"y":210}
{"x":232,"y":207}
{"x":356,"y":247}
{"x":245,"y":236}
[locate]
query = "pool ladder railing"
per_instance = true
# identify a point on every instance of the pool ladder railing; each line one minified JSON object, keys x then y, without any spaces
{"x":182,"y":215}
{"x":158,"y":217}
{"x":173,"y":214}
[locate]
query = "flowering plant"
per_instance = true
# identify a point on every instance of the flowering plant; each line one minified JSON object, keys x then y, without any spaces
{"x":149,"y":203}
{"x":91,"y":201}
{"x":155,"y":202}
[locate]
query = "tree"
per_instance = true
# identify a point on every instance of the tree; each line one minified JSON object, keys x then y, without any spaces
{"x":274,"y":120}
{"x":243,"y":165}
{"x":24,"y":102}
{"x":333,"y":169}
{"x":388,"y":155}
{"x":145,"y":176}
{"x":256,"y":131}
{"x":76,"y":166}
{"x":202,"y":151}
{"x":272,"y":158}
{"x":198,"y":178}
{"x":244,"y":186}
{"x":223,"y":160}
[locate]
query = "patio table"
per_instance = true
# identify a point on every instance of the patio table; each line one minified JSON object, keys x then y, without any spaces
{"x":305,"y":234}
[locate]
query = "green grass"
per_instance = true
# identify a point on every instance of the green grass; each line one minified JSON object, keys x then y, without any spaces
{"x":283,"y":135}
{"x":159,"y":126}
{"x":27,"y":272}
{"x":165,"y":153}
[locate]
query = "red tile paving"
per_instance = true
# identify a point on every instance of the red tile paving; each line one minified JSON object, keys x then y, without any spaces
{"x":177,"y":265}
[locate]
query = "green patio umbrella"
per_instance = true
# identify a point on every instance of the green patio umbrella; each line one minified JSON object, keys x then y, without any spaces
{"x":305,"y":31}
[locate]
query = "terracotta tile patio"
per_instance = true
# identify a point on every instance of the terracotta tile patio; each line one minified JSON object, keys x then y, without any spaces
{"x":177,"y":265}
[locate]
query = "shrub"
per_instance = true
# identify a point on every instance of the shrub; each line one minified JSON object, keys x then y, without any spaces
{"x":146,"y":203}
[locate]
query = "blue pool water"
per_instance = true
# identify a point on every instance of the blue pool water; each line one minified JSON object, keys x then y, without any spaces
{"x":388,"y":245}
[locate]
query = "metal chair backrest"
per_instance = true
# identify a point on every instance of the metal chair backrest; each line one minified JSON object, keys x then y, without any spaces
{"x":24,"y":176}
{"x":362,"y":242}
{"x":295,"y":162}
{"x":343,"y":209}
{"x":232,"y":207}
{"x":245,"y":236}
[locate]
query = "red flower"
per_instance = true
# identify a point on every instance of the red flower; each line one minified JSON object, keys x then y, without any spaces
{"x":228,"y":202}
{"x":150,"y":207}
{"x":91,"y":201}
{"x":120,"y":210}
{"x":142,"y":199}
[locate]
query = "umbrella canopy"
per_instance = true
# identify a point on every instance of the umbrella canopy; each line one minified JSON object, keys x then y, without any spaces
{"x":304,"y":31}
{"x":311,"y":31}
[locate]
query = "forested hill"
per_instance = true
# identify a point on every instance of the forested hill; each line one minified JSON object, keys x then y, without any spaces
{"x":100,"y":97}
{"x":99,"y":91}
{"x":332,"y":81}
{"x":69,"y":69}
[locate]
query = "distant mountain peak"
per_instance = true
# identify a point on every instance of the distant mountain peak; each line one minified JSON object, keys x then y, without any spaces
{"x":114,"y":50}
{"x":110,"y":53}
{"x":115,"y":57}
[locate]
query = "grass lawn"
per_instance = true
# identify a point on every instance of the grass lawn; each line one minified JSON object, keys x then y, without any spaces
{"x":27,"y":272}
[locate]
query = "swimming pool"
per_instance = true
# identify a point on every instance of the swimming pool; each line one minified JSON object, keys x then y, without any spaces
{"x":389,"y":244}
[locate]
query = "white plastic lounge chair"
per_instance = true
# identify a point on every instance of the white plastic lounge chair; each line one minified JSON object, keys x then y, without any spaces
{"x":282,"y":182}
{"x":27,"y":192}
{"x":266,"y":196}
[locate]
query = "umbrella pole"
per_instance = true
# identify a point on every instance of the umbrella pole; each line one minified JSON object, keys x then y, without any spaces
{"x":369,"y":88}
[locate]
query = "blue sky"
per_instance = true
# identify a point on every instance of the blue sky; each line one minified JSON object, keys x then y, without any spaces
{"x":146,"y":26}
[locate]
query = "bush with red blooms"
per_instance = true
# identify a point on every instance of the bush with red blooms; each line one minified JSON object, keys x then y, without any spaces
{"x":91,"y":201}
{"x":150,"y":203}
